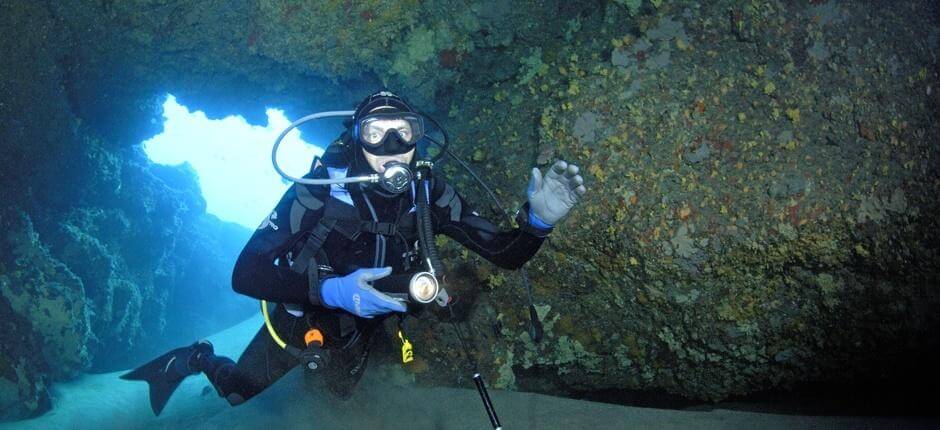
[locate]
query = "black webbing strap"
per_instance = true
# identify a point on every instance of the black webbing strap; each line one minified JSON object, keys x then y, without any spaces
{"x":315,"y":241}
{"x":383,"y":228}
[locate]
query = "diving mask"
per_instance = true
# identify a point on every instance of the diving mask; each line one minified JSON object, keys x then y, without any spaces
{"x":394,"y":179}
{"x":389,"y":133}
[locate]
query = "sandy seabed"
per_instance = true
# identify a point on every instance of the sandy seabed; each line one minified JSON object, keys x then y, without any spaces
{"x":382,"y":400}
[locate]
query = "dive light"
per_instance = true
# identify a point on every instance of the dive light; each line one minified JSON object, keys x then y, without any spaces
{"x":423,"y":287}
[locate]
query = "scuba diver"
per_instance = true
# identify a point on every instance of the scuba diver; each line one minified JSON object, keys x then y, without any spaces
{"x":350,"y":244}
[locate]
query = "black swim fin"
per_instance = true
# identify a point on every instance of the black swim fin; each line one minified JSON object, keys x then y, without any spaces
{"x":165,"y":373}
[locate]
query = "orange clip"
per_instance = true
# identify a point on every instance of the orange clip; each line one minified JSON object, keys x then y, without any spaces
{"x":313,"y":335}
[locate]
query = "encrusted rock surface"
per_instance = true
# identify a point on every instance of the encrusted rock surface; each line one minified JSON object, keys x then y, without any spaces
{"x":762,"y":180}
{"x":759,"y":216}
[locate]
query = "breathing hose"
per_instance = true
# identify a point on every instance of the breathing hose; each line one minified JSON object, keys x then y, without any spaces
{"x":277,"y":339}
{"x":443,"y":146}
{"x":425,"y":231}
{"x":311,"y":181}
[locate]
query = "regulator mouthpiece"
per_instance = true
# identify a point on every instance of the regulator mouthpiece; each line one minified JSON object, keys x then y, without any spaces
{"x":423,"y":287}
{"x":396,"y":177}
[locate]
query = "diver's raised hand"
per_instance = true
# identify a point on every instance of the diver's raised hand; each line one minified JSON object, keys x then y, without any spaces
{"x":552,"y":197}
{"x":354,"y":293}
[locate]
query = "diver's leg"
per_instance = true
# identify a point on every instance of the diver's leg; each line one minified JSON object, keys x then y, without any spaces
{"x":261,"y":364}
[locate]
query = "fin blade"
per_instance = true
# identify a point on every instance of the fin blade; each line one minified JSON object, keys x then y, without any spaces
{"x":154,"y":373}
{"x":151,"y":369}
{"x":160,"y":392}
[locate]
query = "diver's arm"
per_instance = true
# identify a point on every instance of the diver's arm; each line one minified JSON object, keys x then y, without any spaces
{"x":256,"y":275}
{"x":507,"y":249}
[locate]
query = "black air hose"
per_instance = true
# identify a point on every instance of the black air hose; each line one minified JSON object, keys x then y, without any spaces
{"x":425,"y":231}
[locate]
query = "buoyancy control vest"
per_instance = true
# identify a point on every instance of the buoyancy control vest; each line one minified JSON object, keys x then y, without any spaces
{"x":340,"y":214}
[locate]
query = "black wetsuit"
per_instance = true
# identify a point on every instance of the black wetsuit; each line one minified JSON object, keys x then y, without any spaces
{"x":263,"y":270}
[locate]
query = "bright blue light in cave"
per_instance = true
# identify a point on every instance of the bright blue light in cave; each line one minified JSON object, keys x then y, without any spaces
{"x":232,"y":159}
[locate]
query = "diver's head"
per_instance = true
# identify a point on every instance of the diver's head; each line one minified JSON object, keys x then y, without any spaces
{"x":387,"y":129}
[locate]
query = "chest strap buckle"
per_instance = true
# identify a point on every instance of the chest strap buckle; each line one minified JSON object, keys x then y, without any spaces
{"x":383,"y":228}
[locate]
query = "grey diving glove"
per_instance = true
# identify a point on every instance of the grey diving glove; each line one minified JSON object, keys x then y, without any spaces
{"x":355,"y":294}
{"x":551,"y":197}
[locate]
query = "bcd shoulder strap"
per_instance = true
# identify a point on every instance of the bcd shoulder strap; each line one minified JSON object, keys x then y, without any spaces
{"x":314,"y":243}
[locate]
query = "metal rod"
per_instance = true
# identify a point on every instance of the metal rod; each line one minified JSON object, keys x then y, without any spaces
{"x":490,"y":411}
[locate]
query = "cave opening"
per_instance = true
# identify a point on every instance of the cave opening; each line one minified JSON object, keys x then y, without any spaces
{"x":231,"y":156}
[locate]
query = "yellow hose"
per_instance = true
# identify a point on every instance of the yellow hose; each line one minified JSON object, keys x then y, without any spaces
{"x":267,"y":323}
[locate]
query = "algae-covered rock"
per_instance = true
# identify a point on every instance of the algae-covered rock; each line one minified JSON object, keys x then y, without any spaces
{"x":46,"y":320}
{"x":761,"y":180}
{"x":98,"y":287}
{"x":42,"y":290}
{"x":725,"y":245}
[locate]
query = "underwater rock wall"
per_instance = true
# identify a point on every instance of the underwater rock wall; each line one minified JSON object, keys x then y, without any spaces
{"x":105,"y":257}
{"x":762,"y":179}
{"x":762,"y":200}
{"x":123,"y":274}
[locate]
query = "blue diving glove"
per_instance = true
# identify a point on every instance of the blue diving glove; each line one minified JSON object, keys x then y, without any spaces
{"x":552,"y":197}
{"x":354,"y":293}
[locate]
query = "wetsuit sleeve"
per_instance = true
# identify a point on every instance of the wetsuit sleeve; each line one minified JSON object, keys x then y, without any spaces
{"x":456,"y":219}
{"x":256,"y":273}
